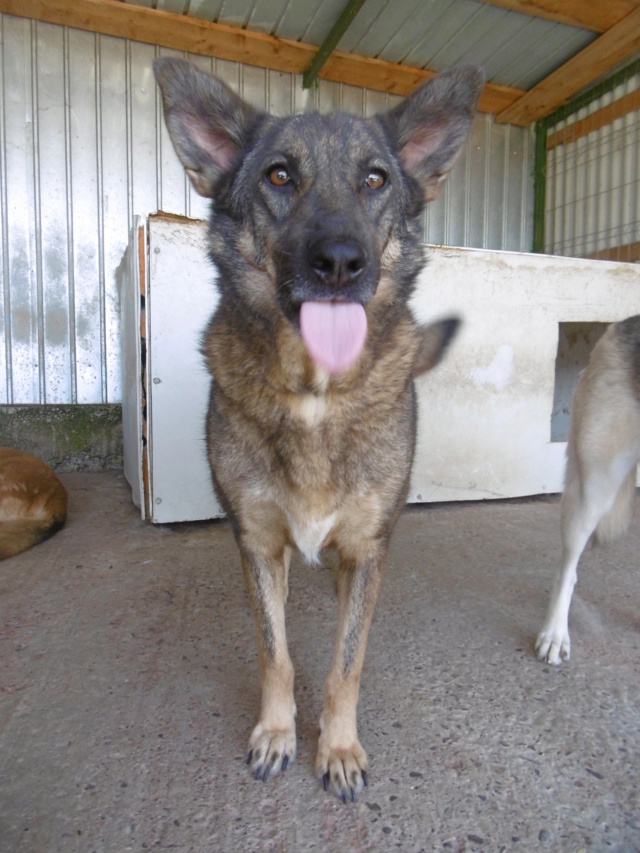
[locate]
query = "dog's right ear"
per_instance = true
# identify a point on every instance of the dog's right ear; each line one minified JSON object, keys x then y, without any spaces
{"x":208,"y":123}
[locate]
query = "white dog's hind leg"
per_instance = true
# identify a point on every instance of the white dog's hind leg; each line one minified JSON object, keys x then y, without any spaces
{"x":553,"y":644}
{"x":582,"y":508}
{"x":578,"y":523}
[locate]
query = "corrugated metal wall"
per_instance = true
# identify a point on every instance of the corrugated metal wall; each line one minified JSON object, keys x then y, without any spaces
{"x":593,"y":182}
{"x":83,"y":149}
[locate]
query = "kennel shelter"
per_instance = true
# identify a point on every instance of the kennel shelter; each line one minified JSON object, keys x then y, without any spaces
{"x":492,"y":417}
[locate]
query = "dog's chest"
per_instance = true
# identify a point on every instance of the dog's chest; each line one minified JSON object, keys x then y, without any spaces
{"x":309,"y":533}
{"x":309,"y":504}
{"x":310,"y":409}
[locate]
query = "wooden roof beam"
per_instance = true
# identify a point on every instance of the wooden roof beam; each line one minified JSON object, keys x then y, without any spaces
{"x":594,"y":15}
{"x":582,"y":69}
{"x":190,"y":34}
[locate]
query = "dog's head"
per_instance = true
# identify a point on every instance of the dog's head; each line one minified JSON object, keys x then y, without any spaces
{"x":317,"y":214}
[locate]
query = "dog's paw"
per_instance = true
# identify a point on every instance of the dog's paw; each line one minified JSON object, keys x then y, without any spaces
{"x":553,"y":646}
{"x":344,"y":771}
{"x":270,"y":751}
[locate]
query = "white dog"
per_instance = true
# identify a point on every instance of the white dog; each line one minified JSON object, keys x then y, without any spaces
{"x":600,"y":480}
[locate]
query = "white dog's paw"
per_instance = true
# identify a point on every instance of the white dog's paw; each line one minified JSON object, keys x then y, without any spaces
{"x":553,"y":646}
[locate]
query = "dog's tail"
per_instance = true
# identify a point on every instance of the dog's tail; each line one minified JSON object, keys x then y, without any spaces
{"x":617,"y":520}
{"x":18,"y":534}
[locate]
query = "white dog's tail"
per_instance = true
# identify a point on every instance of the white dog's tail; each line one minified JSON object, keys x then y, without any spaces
{"x":617,"y":520}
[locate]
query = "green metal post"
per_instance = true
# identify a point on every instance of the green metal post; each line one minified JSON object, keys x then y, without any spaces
{"x":324,"y":51}
{"x":539,"y":186}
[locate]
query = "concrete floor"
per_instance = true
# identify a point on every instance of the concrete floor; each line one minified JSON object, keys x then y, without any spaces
{"x":129,"y":687}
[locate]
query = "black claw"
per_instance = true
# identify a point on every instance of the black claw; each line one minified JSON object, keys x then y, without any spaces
{"x":365,"y":778}
{"x":344,"y":797}
{"x":285,"y":762}
{"x":269,"y":767}
{"x":325,"y":781}
{"x":249,"y":757}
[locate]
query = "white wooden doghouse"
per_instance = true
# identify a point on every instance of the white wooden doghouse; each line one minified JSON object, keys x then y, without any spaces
{"x":493,"y":416}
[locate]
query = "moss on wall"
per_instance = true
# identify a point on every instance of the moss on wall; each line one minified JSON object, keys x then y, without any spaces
{"x":69,"y":438}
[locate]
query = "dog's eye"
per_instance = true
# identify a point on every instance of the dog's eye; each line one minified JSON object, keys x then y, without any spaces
{"x":278,"y":176}
{"x":375,"y":179}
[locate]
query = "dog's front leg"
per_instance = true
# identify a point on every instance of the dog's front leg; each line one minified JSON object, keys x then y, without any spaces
{"x":341,"y":761}
{"x":272,"y":745}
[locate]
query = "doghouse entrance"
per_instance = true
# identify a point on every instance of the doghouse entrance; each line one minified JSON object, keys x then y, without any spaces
{"x":575,"y":344}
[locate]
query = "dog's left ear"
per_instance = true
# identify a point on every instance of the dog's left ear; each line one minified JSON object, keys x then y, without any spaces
{"x":430,"y":126}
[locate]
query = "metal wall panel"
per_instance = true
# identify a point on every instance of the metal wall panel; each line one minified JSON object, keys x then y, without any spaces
{"x":20,"y":321}
{"x":488,"y":200}
{"x":84,"y":149}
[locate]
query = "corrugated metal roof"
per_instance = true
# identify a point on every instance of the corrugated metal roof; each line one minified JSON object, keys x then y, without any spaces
{"x":516,"y":49}
{"x":442,"y":33}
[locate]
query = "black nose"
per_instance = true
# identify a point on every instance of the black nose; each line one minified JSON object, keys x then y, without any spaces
{"x":337,"y":262}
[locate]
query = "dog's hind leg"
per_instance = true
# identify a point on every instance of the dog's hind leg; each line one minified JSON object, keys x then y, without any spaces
{"x":579,"y":516}
{"x":586,"y":499}
{"x":272,"y":745}
{"x":341,"y":761}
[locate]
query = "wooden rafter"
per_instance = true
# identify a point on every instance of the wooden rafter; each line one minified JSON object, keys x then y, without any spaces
{"x":193,"y":35}
{"x":581,"y":70}
{"x":628,"y":252}
{"x":592,"y":15}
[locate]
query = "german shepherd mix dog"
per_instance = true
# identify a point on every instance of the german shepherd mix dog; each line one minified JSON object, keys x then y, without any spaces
{"x":600,"y":480}
{"x":312,"y":350}
{"x":33,"y":502}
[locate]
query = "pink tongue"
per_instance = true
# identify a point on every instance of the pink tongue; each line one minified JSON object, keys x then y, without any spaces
{"x":333,"y":333}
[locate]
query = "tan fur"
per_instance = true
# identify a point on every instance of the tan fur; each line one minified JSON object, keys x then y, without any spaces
{"x":304,"y":456}
{"x":615,"y":523}
{"x":605,"y":419}
{"x":33,"y":502}
{"x":317,"y":454}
